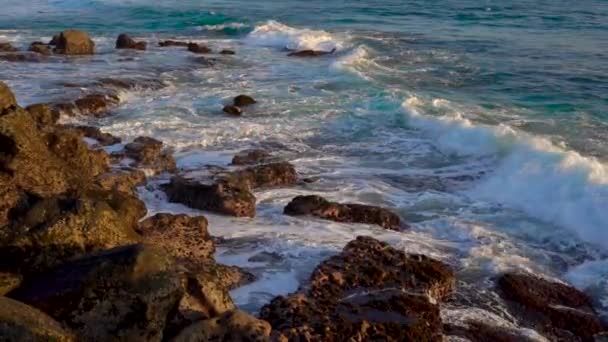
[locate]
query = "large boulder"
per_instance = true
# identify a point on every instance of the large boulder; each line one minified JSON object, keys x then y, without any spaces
{"x":218,"y":197}
{"x":148,"y":153}
{"x":259,"y":176}
{"x":349,"y":212}
{"x":124,"y":294}
{"x":555,"y":309}
{"x":235,"y":325}
{"x":74,"y":42}
{"x":370,"y":291}
{"x":124,"y":41}
{"x":20,"y":322}
{"x":7,"y":98}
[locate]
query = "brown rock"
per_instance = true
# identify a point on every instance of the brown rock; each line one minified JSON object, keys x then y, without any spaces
{"x":123,"y":180}
{"x":370,"y":291}
{"x":251,"y":157}
{"x":227,"y":52}
{"x":26,"y":57}
{"x":232,"y":110}
{"x":124,"y":41}
{"x":123,"y":294}
{"x":218,"y":197}
{"x":40,"y":47}
{"x":198,"y":48}
{"x":8,"y":282}
{"x":104,"y":139}
{"x":7,"y":47}
{"x":73,"y":42}
{"x":7,"y":98}
{"x":351,"y":213}
{"x":132,"y":83}
{"x":310,"y":53}
{"x":265,"y":175}
{"x":149,"y":154}
{"x":96,"y":105}
{"x":235,"y":325}
{"x":20,"y":322}
{"x":166,"y":43}
{"x":243,"y":101}
{"x":43,"y":114}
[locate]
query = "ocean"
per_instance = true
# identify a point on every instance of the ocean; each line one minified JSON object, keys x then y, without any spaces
{"x":482,"y":123}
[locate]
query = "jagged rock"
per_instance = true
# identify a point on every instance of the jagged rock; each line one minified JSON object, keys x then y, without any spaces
{"x":121,"y":180}
{"x":166,"y":43}
{"x":351,"y":213}
{"x":123,"y":294}
{"x":69,"y":146}
{"x":7,"y":47}
{"x":73,"y":42}
{"x":310,"y":53}
{"x":8,"y":282}
{"x":235,"y":325}
{"x":243,"y":101}
{"x":56,"y":229}
{"x":21,"y":322}
{"x":198,"y":48}
{"x":7,"y":98}
{"x":43,"y":114}
{"x":220,"y":198}
{"x":232,"y":110}
{"x":370,"y":291}
{"x":183,"y":237}
{"x":96,"y":105}
{"x":124,"y":41}
{"x":555,"y":309}
{"x":128,"y":206}
{"x":227,"y":52}
{"x":251,"y":157}
{"x":104,"y":139}
{"x":266,"y":175}
{"x":148,"y":153}
{"x":230,"y":277}
{"x":40,"y":47}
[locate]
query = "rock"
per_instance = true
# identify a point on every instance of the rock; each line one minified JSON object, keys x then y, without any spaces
{"x":218,"y":197}
{"x":183,"y":237}
{"x":104,"y":139}
{"x":69,"y":146}
{"x":40,"y":47}
{"x":27,"y":57}
{"x":96,"y":105}
{"x":128,"y":206}
{"x":166,"y":43}
{"x":12,"y":199}
{"x":230,"y":277}
{"x":43,"y":114}
{"x":310,"y":53}
{"x":250,"y":157}
{"x":232,"y":110}
{"x":8,"y":282}
{"x":243,"y":101}
{"x":123,"y":294}
{"x":551,"y":307}
{"x":54,"y":40}
{"x":198,"y":48}
{"x":132,"y":83}
{"x":266,"y":257}
{"x":370,"y":291}
{"x":481,"y":332}
{"x":20,"y":322}
{"x":350,"y":213}
{"x":7,"y":98}
{"x":58,"y":229}
{"x":227,"y":52}
{"x":124,"y":41}
{"x":148,"y":153}
{"x":7,"y":47}
{"x":73,"y":42}
{"x":265,"y":175}
{"x":235,"y":325}
{"x":123,"y":180}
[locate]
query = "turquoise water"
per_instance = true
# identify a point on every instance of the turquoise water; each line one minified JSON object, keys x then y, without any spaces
{"x":483,"y":123}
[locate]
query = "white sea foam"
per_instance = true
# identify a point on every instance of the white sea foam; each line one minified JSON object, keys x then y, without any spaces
{"x":221,"y":27}
{"x":276,"y":34}
{"x":545,"y":181}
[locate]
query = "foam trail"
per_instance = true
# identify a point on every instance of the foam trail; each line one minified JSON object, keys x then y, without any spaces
{"x":276,"y":34}
{"x":533,"y":175}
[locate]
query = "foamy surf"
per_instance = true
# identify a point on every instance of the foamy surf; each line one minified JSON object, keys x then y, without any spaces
{"x":276,"y":34}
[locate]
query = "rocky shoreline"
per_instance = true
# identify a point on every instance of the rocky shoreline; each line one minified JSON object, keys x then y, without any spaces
{"x":81,"y":259}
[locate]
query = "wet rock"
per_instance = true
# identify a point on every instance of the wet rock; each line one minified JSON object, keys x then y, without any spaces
{"x":227,"y":52}
{"x":230,"y":277}
{"x":234,"y":325}
{"x":198,"y":48}
{"x":265,"y":175}
{"x":132,"y":83}
{"x":7,"y":47}
{"x":243,"y":101}
{"x":218,"y":197}
{"x":232,"y":110}
{"x":123,"y":180}
{"x":58,"y":229}
{"x":350,"y":213}
{"x":104,"y":139}
{"x":20,"y":322}
{"x":7,"y":98}
{"x":74,"y":42}
{"x":124,"y":41}
{"x":251,"y":157}
{"x":310,"y":53}
{"x":43,"y":114}
{"x":12,"y":199}
{"x":166,"y":43}
{"x":481,"y":332}
{"x":183,"y":237}
{"x":123,"y":294}
{"x":96,"y":105}
{"x":8,"y":282}
{"x":26,"y":57}
{"x":54,"y":40}
{"x":40,"y":47}
{"x":149,"y":154}
{"x":555,"y":309}
{"x":370,"y":291}
{"x":266,"y":257}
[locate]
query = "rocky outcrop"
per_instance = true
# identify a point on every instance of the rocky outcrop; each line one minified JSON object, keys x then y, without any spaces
{"x":218,"y":197}
{"x":121,"y":180}
{"x":370,"y":291}
{"x":20,"y":322}
{"x":104,"y":139}
{"x":165,"y":43}
{"x":74,"y":42}
{"x":9,"y":281}
{"x":40,"y":47}
{"x":7,"y":47}
{"x":557,"y":310}
{"x":259,"y":176}
{"x":351,"y":213}
{"x":7,"y":98}
{"x":148,"y":153}
{"x":43,"y":115}
{"x":310,"y":53}
{"x":95,"y":105}
{"x":132,"y":83}
{"x":251,"y":157}
{"x":234,"y":325}
{"x":198,"y":48}
{"x":124,"y":41}
{"x":124,"y":294}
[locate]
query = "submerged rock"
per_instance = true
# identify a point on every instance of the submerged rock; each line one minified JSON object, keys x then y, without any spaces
{"x":124,"y":41}
{"x":227,"y":52}
{"x":124,"y":294}
{"x":235,"y":325}
{"x":21,"y":322}
{"x":351,"y":213}
{"x":166,"y":43}
{"x":251,"y":157}
{"x":310,"y":53}
{"x":198,"y":48}
{"x":40,"y":47}
{"x":74,"y":42}
{"x":370,"y":291}
{"x":132,"y":83}
{"x":232,"y":110}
